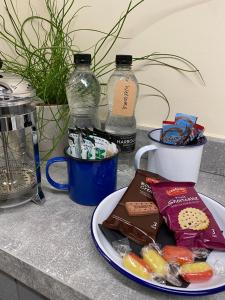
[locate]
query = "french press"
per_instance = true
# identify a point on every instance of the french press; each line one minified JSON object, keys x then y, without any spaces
{"x":20,"y":174}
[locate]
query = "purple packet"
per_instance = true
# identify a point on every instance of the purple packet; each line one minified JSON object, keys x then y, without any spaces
{"x":187,"y":215}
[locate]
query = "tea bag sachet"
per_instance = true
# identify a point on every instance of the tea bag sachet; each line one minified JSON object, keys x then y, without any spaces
{"x":86,"y":145}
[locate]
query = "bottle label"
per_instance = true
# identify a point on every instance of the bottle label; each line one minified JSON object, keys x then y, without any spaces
{"x":125,"y":98}
{"x":126,"y":143}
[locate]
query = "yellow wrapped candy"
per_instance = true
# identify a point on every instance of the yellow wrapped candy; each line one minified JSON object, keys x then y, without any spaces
{"x":136,"y":265}
{"x":156,"y":262}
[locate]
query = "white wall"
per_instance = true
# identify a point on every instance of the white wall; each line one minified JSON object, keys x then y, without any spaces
{"x":194,"y":29}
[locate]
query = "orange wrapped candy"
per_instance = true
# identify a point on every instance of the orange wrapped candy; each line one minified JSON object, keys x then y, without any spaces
{"x":196,"y":272}
{"x":177,"y":254}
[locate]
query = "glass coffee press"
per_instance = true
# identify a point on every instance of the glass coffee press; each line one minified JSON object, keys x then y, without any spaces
{"x":20,"y":174}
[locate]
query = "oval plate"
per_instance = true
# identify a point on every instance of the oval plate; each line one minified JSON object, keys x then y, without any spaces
{"x":215,"y":285}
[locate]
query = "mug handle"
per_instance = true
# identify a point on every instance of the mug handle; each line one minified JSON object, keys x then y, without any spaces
{"x":140,"y":152}
{"x":59,"y":186}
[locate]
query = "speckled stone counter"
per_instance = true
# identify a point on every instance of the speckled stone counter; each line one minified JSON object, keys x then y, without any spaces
{"x":49,"y":248}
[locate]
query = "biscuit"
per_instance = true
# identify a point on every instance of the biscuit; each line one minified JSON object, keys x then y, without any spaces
{"x":193,"y":218}
{"x":141,"y":208}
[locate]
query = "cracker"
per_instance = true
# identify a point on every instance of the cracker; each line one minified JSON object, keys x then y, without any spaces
{"x":193,"y":218}
{"x":141,"y":208}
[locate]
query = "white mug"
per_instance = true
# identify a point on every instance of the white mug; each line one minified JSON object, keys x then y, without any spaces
{"x":174,"y":162}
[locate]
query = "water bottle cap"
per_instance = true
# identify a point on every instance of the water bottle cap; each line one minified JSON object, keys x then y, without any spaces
{"x":124,"y":59}
{"x":82,"y":58}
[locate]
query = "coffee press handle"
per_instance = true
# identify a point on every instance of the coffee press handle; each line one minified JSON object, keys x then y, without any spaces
{"x":140,"y":152}
{"x":59,"y":186}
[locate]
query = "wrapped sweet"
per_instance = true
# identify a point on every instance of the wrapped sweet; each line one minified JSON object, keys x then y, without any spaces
{"x":196,"y":272}
{"x":181,"y":255}
{"x":156,"y":262}
{"x":160,"y":267}
{"x":177,"y":254}
{"x":137,"y":265}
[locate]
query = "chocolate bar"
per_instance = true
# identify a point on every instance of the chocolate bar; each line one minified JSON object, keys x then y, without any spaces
{"x":136,"y":215}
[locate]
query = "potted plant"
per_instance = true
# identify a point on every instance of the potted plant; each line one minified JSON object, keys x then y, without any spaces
{"x":41,"y":49}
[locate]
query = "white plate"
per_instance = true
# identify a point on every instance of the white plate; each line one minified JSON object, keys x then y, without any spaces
{"x":214,"y":285}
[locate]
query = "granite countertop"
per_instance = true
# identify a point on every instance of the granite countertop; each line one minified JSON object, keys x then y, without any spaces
{"x":49,"y":248}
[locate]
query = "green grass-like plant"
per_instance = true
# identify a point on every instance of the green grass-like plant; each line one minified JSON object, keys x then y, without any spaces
{"x":41,"y":50}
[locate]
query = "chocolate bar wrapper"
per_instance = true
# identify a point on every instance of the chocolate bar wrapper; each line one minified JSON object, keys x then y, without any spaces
{"x":136,"y":215}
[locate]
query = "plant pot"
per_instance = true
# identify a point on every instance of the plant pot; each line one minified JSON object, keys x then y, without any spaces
{"x":52,"y":130}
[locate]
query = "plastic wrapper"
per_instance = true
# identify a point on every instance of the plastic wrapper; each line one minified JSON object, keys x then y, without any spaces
{"x":130,"y":260}
{"x":181,"y":255}
{"x":159,"y":264}
{"x":150,"y":266}
{"x":122,"y":246}
{"x":196,"y":272}
{"x":174,"y":134}
{"x":137,"y":265}
{"x":136,"y":215}
{"x":187,"y":216}
{"x":177,"y":254}
{"x":185,"y":120}
{"x":156,"y":262}
{"x":219,"y":267}
{"x":197,"y":132}
{"x":182,"y":131}
{"x":87,"y":144}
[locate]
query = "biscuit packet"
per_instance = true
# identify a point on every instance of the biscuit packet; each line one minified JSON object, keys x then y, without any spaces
{"x":182,"y":131}
{"x":173,"y":134}
{"x":185,"y":120}
{"x":136,"y":216}
{"x":187,"y":215}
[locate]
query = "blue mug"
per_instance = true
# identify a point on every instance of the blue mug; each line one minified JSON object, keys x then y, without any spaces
{"x":89,"y":181}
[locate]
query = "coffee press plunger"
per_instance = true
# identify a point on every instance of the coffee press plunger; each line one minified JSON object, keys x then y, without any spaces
{"x":20,"y":174}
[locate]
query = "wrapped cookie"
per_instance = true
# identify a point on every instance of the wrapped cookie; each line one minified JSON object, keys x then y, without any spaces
{"x":136,"y":215}
{"x":187,"y":215}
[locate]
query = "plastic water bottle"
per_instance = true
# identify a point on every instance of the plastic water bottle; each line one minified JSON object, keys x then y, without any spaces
{"x":122,"y":93}
{"x":83,"y":94}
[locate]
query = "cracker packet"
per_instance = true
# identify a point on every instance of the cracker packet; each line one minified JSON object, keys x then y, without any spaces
{"x":187,"y":215}
{"x":136,"y":215}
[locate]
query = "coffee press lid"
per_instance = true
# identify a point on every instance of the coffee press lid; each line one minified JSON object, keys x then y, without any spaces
{"x":16,"y":95}
{"x":12,"y":85}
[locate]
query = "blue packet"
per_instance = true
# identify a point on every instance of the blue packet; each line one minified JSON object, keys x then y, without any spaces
{"x":173,"y":134}
{"x":181,"y":131}
{"x":185,"y":120}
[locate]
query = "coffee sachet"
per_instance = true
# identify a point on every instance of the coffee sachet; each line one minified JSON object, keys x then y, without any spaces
{"x":136,"y":215}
